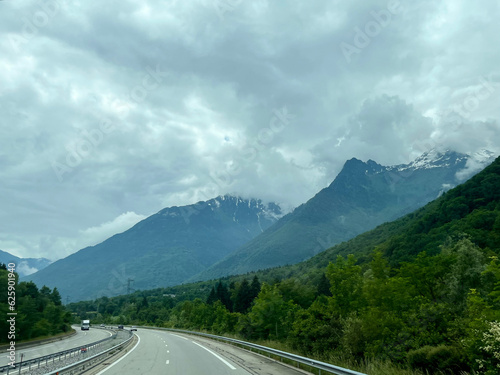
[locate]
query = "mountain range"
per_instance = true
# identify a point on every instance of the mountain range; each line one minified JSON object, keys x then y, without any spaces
{"x":24,"y":266}
{"x":362,"y":196}
{"x":230,"y":235}
{"x":166,"y":248}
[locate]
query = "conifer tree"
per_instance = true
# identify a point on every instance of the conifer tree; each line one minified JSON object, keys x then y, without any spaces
{"x":222,"y":294}
{"x":324,"y":286}
{"x":255,"y":287}
{"x":243,"y":299}
{"x":211,"y":297}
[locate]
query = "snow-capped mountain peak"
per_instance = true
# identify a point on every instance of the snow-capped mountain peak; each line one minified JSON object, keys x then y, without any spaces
{"x":433,"y":159}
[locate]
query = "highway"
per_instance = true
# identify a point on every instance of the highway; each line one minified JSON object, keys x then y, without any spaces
{"x":81,"y":338}
{"x":161,"y":352}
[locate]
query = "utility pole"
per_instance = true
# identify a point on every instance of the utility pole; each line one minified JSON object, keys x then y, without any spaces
{"x":129,"y":288}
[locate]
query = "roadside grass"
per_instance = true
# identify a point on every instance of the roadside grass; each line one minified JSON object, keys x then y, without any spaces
{"x":367,"y":366}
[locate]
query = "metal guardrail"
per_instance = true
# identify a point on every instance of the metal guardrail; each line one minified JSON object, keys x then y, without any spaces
{"x":87,"y":363}
{"x":318,"y":365}
{"x":37,"y":362}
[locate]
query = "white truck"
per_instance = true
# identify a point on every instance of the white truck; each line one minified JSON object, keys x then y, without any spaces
{"x":85,"y":325}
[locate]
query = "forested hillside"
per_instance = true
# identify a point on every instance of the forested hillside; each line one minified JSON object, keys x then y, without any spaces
{"x":421,"y":293}
{"x":40,"y":312}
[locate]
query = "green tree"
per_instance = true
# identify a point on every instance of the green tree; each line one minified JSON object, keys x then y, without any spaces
{"x":222,"y":293}
{"x":296,"y":292}
{"x":491,"y":275}
{"x":427,"y":275}
{"x":271,"y":316}
{"x":474,"y":323}
{"x":324,"y":286}
{"x":54,"y":315}
{"x":243,"y":298}
{"x":144,"y":303}
{"x":224,"y":321}
{"x":346,"y":284}
{"x":212,"y":297}
{"x":316,"y":329}
{"x":255,"y":287}
{"x":55,"y":297}
{"x":465,"y":271}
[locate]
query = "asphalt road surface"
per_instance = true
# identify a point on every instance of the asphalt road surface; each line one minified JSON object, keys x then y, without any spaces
{"x":161,"y":352}
{"x":81,"y":338}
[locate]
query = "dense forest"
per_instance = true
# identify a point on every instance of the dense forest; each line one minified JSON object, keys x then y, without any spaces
{"x":422,"y":293}
{"x":40,"y":312}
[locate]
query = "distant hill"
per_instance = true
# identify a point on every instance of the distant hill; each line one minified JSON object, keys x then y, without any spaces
{"x":24,"y":266}
{"x":164,"y":249}
{"x":362,"y":196}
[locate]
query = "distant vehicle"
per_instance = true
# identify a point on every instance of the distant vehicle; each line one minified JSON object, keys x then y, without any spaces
{"x":85,"y":325}
{"x":83,"y":350}
{"x":103,"y":325}
{"x":134,"y":328}
{"x":120,"y":326}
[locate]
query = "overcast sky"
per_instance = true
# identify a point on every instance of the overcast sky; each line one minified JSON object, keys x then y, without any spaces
{"x":112,"y":110}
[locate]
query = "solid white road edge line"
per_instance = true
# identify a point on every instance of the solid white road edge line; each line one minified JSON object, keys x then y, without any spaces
{"x":216,"y":355}
{"x":103,"y":371}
